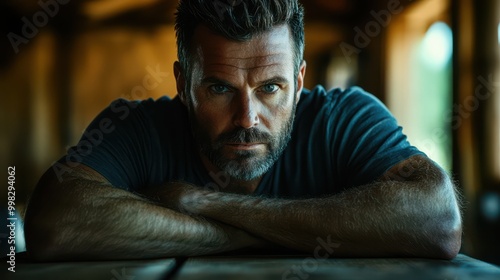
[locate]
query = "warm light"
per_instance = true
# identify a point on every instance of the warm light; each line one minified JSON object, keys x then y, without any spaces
{"x":438,"y":45}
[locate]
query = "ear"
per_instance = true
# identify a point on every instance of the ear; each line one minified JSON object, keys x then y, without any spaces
{"x":180,"y":82}
{"x":300,"y":79}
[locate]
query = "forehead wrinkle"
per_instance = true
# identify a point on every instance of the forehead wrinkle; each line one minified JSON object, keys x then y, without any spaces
{"x":262,"y":62}
{"x":279,"y":58}
{"x":245,"y":68}
{"x":262,"y":57}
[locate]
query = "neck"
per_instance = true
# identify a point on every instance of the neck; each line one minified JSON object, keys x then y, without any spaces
{"x":229,"y":184}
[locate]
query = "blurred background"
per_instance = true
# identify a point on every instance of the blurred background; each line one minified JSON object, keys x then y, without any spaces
{"x":434,"y":63}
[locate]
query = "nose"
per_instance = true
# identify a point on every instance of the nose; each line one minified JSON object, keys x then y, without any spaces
{"x":246,"y":115}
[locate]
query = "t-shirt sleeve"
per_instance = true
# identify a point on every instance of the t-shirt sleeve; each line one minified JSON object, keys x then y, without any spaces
{"x":118,"y":145}
{"x":367,"y":140}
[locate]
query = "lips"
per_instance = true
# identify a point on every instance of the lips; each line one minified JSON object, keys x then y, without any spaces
{"x":245,"y":146}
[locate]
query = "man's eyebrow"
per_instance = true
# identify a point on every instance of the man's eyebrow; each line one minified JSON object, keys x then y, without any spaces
{"x":275,"y":80}
{"x":214,"y":80}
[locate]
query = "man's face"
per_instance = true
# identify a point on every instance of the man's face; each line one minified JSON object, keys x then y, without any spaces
{"x":242,"y":99}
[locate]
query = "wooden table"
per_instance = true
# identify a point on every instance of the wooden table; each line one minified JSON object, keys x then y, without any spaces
{"x":115,"y":270}
{"x":259,"y":267}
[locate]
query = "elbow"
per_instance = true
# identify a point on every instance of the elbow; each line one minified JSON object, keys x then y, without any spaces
{"x":43,"y":235}
{"x":39,"y":243}
{"x":47,"y":243}
{"x":40,"y":238}
{"x":446,"y":238}
{"x":448,"y":246}
{"x":446,"y":229}
{"x":436,"y":242}
{"x":43,"y":226}
{"x":41,"y":253}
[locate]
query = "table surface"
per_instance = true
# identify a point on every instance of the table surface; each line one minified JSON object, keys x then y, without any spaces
{"x":259,"y":267}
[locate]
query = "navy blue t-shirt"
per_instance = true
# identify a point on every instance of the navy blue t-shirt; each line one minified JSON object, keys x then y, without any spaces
{"x":340,"y":139}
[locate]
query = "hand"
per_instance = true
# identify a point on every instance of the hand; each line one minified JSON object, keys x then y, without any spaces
{"x":191,"y":200}
{"x":179,"y":196}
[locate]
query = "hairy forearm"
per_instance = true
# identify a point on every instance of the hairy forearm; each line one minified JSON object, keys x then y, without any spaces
{"x":82,"y":220}
{"x":392,"y":218}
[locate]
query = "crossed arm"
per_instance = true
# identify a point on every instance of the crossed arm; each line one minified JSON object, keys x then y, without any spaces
{"x":410,"y":211}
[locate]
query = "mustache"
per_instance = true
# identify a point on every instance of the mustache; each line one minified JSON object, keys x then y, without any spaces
{"x":241,"y":135}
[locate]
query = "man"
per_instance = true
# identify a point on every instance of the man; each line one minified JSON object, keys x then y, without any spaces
{"x":244,"y":157}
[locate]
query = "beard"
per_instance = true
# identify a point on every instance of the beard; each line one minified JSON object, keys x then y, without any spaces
{"x":247,"y":164}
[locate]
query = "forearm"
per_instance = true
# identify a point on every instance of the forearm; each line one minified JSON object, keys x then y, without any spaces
{"x":85,"y":221}
{"x":382,"y":219}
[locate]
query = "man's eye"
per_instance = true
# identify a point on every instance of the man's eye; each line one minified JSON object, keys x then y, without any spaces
{"x":271,"y":88}
{"x":219,"y":89}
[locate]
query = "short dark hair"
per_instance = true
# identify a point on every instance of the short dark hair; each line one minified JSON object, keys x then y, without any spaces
{"x":237,"y":20}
